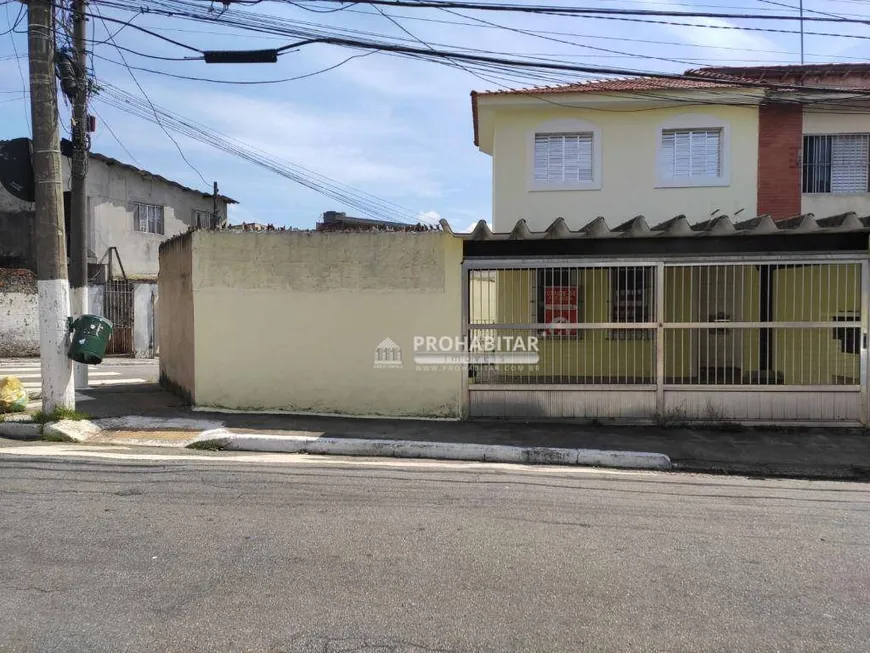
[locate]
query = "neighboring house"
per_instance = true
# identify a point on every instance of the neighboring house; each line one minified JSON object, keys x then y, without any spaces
{"x":685,"y":146}
{"x":130,"y":212}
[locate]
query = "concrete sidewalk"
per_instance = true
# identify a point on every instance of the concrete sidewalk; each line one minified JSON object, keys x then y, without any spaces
{"x":807,"y":453}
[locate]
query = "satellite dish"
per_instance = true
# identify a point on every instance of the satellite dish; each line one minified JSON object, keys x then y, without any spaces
{"x":16,"y":168}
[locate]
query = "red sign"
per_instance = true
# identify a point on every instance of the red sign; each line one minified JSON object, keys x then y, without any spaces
{"x":560,"y":307}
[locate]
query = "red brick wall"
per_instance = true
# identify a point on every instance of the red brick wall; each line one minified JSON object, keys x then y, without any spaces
{"x":780,"y":141}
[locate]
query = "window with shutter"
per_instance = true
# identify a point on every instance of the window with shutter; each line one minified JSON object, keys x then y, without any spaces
{"x":836,"y":163}
{"x":691,"y":153}
{"x":564,"y":158}
{"x":148,"y":218}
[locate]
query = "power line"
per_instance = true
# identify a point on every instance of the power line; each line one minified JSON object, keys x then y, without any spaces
{"x":18,"y":62}
{"x":529,"y":67}
{"x":587,"y":11}
{"x":115,"y":136}
{"x":240,"y":82}
{"x":145,"y":95}
{"x":443,"y":21}
{"x":368,"y":204}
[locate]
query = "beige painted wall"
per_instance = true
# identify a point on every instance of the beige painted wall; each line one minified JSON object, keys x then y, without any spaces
{"x":628,"y":181}
{"x":175,"y":329}
{"x":826,"y":122}
{"x":291,"y":321}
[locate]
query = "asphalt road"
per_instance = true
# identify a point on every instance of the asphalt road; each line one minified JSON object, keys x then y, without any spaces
{"x":220,"y":552}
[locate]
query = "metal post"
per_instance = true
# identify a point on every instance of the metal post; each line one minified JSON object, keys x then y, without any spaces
{"x":864,"y":373}
{"x":52,"y":282}
{"x":660,"y":339}
{"x":465,"y":275}
{"x":79,"y":209}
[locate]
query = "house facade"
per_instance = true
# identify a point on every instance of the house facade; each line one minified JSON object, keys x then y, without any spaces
{"x":130,"y":212}
{"x":680,"y":146}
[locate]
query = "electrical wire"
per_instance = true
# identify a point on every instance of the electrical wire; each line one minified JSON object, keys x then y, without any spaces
{"x":360,"y":200}
{"x":239,"y":82}
{"x":145,"y":95}
{"x":24,"y":89}
{"x":17,"y":19}
{"x":115,"y":136}
{"x":552,"y":10}
{"x":525,"y":65}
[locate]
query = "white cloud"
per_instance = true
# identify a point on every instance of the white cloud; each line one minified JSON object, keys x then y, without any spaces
{"x":718,"y":33}
{"x":473,"y":226}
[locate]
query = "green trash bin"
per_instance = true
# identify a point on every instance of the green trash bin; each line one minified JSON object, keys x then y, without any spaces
{"x":90,"y":335}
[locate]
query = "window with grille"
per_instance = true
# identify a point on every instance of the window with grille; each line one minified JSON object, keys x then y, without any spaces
{"x":631,"y":291}
{"x":836,"y":164}
{"x":148,"y":218}
{"x":564,"y":158}
{"x":559,"y":302}
{"x":203,"y":219}
{"x":691,"y":153}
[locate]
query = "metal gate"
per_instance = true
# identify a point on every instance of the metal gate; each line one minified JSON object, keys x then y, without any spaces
{"x":771,"y":339}
{"x":118,"y":309}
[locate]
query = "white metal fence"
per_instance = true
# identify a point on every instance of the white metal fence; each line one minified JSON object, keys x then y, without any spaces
{"x":774,"y":339}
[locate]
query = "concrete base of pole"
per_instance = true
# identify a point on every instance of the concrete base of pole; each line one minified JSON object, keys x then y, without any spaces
{"x":57,"y":382}
{"x":79,"y":303}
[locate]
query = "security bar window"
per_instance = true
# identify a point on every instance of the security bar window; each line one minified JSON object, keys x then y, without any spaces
{"x":836,"y":164}
{"x":203,"y":219}
{"x":149,"y":218}
{"x":564,"y":158}
{"x":691,"y":153}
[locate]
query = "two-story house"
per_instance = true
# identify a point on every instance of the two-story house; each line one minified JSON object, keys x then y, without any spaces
{"x":130,"y":212}
{"x":665,"y":147}
{"x":654,"y":236}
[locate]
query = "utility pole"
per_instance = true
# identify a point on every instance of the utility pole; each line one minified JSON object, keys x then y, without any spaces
{"x":52,"y":284}
{"x":79,"y":195}
{"x":215,"y":219}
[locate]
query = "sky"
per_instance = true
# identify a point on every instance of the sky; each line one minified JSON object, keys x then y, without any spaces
{"x":396,"y":128}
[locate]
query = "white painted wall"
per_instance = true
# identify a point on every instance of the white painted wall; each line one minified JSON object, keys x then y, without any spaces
{"x":19,"y":324}
{"x":829,"y":122}
{"x":113,"y":192}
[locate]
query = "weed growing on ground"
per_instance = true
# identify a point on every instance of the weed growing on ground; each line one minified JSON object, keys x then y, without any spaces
{"x":209,"y":445}
{"x":58,"y":414}
{"x":55,"y":437}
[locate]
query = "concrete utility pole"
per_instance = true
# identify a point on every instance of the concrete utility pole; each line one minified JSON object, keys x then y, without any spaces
{"x":52,"y":284}
{"x":79,"y":209}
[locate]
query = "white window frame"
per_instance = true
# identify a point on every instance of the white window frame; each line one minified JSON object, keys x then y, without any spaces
{"x":137,"y":206}
{"x":564,"y":126}
{"x":695,"y":121}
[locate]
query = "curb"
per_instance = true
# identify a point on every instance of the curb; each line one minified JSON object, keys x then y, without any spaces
{"x":20,"y":429}
{"x":75,"y":430}
{"x":439,"y":450}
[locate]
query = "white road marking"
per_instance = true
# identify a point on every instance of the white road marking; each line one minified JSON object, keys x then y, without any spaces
{"x":19,"y":370}
{"x":90,"y":374}
{"x":117,"y":381}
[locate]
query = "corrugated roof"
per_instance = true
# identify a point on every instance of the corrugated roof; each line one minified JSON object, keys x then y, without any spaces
{"x":677,"y":227}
